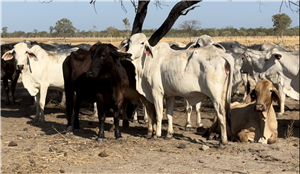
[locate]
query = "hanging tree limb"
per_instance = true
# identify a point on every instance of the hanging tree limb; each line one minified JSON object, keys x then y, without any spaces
{"x":181,"y":8}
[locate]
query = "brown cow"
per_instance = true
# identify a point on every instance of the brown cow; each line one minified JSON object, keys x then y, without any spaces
{"x":97,"y":75}
{"x":254,"y":120}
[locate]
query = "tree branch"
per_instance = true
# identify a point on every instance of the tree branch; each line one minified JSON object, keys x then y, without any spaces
{"x":174,"y":14}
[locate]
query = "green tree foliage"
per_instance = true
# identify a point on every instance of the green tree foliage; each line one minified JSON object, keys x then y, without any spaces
{"x":4,"y":32}
{"x":64,"y":27}
{"x":281,"y":22}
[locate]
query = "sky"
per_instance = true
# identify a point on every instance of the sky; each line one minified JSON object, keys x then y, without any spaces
{"x":28,"y":15}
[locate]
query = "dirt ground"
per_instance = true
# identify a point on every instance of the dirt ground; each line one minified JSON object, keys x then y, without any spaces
{"x":30,"y":148}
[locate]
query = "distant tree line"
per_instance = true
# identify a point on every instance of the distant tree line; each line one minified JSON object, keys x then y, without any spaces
{"x":64,"y":28}
{"x":113,"y":32}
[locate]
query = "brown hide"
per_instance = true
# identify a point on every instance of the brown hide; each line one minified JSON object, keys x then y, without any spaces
{"x":256,"y":119}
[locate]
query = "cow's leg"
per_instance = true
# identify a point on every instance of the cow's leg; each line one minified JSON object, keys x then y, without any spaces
{"x":69,"y":107}
{"x":117,"y":127}
{"x":169,"y":111}
{"x":282,"y":100}
{"x":198,"y":116}
{"x":41,"y":103}
{"x":63,"y":99}
{"x":245,"y":81}
{"x":188,"y":109}
{"x":77,"y":103}
{"x":145,"y":114}
{"x":37,"y":107}
{"x":95,"y":111}
{"x":221,"y":114}
{"x":158,"y":104}
{"x":101,"y":117}
{"x":6,"y":88}
{"x":13,"y":86}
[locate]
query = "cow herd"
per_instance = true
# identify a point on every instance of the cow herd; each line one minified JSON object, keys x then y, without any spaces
{"x":116,"y":79}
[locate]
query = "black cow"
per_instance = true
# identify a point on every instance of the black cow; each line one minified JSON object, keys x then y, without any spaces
{"x":97,"y":76}
{"x":9,"y":72}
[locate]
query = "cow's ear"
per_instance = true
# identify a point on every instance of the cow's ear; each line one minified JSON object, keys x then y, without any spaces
{"x":148,"y":49}
{"x":277,"y":56}
{"x":94,"y":46}
{"x":251,"y":97}
{"x":219,"y":46}
{"x":124,"y":48}
{"x":31,"y":56}
{"x":275,"y":95}
{"x":8,"y":55}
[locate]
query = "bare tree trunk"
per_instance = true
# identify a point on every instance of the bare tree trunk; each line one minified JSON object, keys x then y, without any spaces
{"x":140,"y":17}
{"x":176,"y":11}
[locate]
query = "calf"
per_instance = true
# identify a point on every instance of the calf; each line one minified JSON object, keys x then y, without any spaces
{"x":97,"y":75}
{"x":9,"y":72}
{"x":255,"y":120}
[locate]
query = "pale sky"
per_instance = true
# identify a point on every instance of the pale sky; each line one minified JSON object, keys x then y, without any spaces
{"x":28,"y":15}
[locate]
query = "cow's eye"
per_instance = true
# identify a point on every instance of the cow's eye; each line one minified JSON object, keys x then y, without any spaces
{"x":142,"y":43}
{"x":266,"y":60}
{"x":103,"y":57}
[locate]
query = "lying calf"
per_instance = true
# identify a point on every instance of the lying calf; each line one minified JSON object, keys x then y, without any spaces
{"x":254,"y":120}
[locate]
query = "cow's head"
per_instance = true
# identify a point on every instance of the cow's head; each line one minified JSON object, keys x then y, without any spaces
{"x":272,"y":67}
{"x":264,"y":93}
{"x":138,"y":45}
{"x":21,"y":52}
{"x":104,"y":58}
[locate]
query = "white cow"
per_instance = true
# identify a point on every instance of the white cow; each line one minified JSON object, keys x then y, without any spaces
{"x":192,"y":74}
{"x":40,"y":70}
{"x":282,"y":68}
{"x":253,"y":64}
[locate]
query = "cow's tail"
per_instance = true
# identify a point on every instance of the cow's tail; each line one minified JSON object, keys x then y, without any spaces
{"x":229,"y":71}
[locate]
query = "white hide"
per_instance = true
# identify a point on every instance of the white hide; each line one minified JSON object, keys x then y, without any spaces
{"x":42,"y":70}
{"x":192,"y":74}
{"x":282,"y":68}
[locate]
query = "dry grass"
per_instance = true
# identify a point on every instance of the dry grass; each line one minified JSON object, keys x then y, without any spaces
{"x":290,"y":42}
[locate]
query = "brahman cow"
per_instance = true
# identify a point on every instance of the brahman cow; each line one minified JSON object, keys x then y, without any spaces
{"x":40,"y":70}
{"x":282,"y":68}
{"x":253,"y":62}
{"x":254,"y":120}
{"x":196,"y":74}
{"x":98,"y":75}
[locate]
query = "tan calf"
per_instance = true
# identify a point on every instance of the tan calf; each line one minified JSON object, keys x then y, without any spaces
{"x":255,"y":120}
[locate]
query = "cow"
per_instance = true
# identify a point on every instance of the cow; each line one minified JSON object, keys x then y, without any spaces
{"x":282,"y":68}
{"x":40,"y":70}
{"x":253,"y":62}
{"x":9,"y":72}
{"x":255,"y":119}
{"x":97,"y":75}
{"x":162,"y":72}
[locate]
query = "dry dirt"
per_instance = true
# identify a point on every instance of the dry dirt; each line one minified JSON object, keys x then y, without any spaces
{"x":30,"y":148}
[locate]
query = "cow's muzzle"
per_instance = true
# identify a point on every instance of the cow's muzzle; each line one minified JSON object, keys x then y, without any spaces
{"x":20,"y":67}
{"x":260,"y":108}
{"x":90,"y":74}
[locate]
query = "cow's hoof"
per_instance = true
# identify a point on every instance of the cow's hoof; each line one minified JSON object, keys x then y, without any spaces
{"x":69,"y":129}
{"x":189,"y":129}
{"x":220,"y":146}
{"x":279,"y":114}
{"x":120,"y":139}
{"x":101,"y":140}
{"x":134,"y":121}
{"x":68,"y":133}
{"x":154,"y":137}
{"x":149,"y":135}
{"x":125,"y":124}
{"x":168,"y":137}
